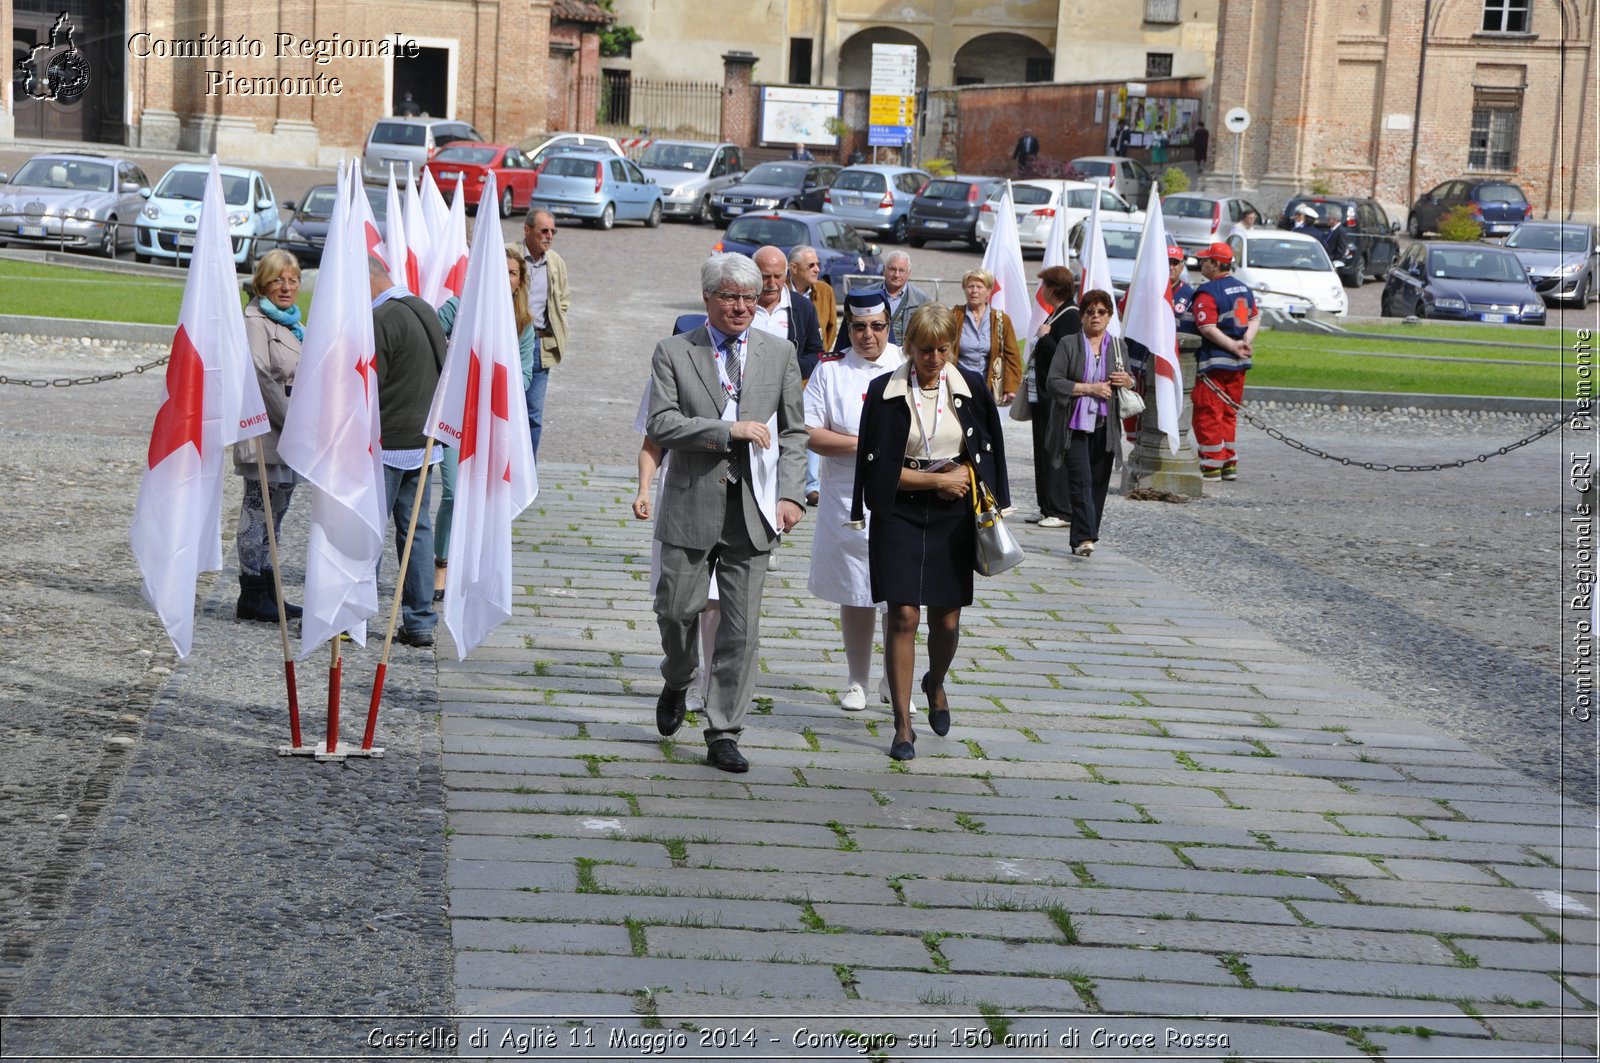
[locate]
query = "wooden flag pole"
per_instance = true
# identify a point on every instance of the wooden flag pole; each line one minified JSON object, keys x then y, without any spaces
{"x":283,"y":609}
{"x":333,"y":698}
{"x":399,"y":590}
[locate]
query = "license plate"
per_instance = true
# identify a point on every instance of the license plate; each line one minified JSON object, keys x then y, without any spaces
{"x":733,"y":210}
{"x":1499,"y":228}
{"x":1494,"y":319}
{"x":849,"y":201}
{"x":186,"y":240}
{"x":30,"y":230}
{"x":937,"y":224}
{"x":451,"y":176}
{"x":561,"y":210}
{"x":1299,"y":308}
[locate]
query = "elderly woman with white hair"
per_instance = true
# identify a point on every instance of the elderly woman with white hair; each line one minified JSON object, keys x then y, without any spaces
{"x":833,"y":401}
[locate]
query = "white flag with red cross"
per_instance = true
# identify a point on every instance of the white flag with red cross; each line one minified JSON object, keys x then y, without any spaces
{"x":212,"y":399}
{"x":1003,"y":259}
{"x":331,"y":436}
{"x":479,"y":409}
{"x":1151,"y":322}
{"x":447,"y":265}
{"x":397,"y":250}
{"x":419,"y":242}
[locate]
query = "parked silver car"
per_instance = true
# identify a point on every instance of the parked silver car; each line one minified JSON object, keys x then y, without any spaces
{"x":73,"y":199}
{"x":689,"y":173}
{"x":1560,"y":257}
{"x":1200,"y":219}
{"x":395,"y":143}
{"x":876,"y":198}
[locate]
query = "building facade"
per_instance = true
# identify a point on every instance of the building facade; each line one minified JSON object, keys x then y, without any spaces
{"x":1387,"y":98}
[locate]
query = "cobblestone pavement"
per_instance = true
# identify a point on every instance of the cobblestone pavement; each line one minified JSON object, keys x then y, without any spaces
{"x":165,"y":860}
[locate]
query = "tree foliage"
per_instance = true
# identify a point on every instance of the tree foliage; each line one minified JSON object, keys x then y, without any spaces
{"x":616,"y":39}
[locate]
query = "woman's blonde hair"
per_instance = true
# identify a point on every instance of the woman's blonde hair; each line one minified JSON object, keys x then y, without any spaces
{"x":271,"y":266}
{"x":978,"y":273}
{"x":519,"y":294}
{"x":931,"y":325}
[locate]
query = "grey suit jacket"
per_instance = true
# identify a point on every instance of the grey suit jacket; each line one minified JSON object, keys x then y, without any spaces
{"x":910,"y":299}
{"x":686,"y":406}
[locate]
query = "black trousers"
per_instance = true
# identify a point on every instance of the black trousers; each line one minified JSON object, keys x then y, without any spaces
{"x":1090,"y":464}
{"x":1052,"y":486}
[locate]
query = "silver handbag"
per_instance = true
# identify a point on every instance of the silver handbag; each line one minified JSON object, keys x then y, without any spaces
{"x":997,"y":549}
{"x":1129,"y":402}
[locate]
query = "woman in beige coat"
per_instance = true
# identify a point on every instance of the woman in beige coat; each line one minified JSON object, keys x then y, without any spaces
{"x":272,"y":325}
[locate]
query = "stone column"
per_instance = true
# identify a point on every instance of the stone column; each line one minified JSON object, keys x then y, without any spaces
{"x":738,"y":102}
{"x":1154,"y":466}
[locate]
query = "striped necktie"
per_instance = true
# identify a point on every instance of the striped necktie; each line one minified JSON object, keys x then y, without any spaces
{"x":733,"y":365}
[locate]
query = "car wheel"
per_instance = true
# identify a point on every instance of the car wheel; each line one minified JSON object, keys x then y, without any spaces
{"x":608,"y":217}
{"x":1414,"y":227}
{"x":1420,"y":310}
{"x":919,"y":242}
{"x":108,"y":239}
{"x":1581,"y":295}
{"x":507,"y":203}
{"x":900,"y":231}
{"x":655,"y":216}
{"x":1359,"y":276}
{"x":702,"y":213}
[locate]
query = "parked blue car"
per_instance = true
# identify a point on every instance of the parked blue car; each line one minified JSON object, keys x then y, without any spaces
{"x":599,"y":188}
{"x":1463,"y":282}
{"x":840,"y":250}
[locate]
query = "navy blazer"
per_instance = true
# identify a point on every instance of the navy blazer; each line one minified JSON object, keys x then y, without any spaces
{"x":805,"y":333}
{"x":886,"y":425}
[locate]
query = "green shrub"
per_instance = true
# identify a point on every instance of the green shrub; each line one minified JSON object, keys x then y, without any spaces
{"x":1174,"y":180}
{"x":1459,"y":224}
{"x":940,"y":167}
{"x":1320,"y":185}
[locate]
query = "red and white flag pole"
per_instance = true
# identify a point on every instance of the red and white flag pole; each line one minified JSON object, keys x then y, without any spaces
{"x":283,"y":608}
{"x":399,"y":590}
{"x":334,"y":667}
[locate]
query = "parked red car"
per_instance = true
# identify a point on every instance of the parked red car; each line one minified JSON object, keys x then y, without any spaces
{"x":470,"y":163}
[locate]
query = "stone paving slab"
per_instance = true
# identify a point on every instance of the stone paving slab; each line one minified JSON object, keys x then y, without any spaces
{"x":1147,"y":807}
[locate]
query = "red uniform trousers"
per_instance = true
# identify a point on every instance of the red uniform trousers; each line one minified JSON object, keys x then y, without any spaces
{"x":1216,"y":425}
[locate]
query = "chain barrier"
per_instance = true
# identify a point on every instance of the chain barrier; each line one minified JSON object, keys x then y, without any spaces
{"x":1375,"y":466}
{"x":98,"y":378}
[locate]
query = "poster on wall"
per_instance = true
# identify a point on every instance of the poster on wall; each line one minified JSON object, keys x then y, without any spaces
{"x":1173,"y":117}
{"x":798,"y":116}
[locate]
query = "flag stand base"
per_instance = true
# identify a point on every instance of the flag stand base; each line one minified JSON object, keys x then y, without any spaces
{"x":296,"y":751}
{"x":343,"y":752}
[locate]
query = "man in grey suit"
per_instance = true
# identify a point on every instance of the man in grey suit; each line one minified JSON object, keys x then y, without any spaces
{"x":904,"y":297}
{"x":714,"y":390}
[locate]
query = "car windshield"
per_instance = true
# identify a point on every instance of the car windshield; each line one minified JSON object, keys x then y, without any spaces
{"x":945,"y":190}
{"x":1175,"y":207}
{"x":784,"y":175}
{"x":1120,"y":243}
{"x":1273,"y":253}
{"x":471,"y":156}
{"x":779,"y":232}
{"x":378,"y":200}
{"x":65,"y":173}
{"x":1571,"y":239}
{"x":191,"y":184}
{"x":405,"y":133}
{"x":859,"y":181}
{"x":1500,"y":194}
{"x":1093,"y":168}
{"x":319,"y":201}
{"x":675,"y":157}
{"x":1475,"y":264}
{"x":1023,"y":195}
{"x":570,"y":166}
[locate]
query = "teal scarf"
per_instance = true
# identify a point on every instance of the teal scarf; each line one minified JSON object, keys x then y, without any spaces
{"x":289,"y":319}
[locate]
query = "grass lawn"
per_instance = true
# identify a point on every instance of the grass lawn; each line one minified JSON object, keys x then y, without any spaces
{"x":1302,"y":360}
{"x":1522,"y":335}
{"x":93,"y":295}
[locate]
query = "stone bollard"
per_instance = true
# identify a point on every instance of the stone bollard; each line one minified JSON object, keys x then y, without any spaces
{"x":1153,"y":465}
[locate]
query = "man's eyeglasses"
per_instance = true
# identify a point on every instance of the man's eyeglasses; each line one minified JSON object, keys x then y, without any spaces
{"x":875,"y":326}
{"x":812,"y":265}
{"x":735,"y":298}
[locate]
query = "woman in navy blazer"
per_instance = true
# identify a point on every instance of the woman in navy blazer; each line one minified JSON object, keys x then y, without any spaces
{"x":912,"y":463}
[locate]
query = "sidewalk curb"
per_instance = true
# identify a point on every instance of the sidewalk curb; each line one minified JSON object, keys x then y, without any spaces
{"x":1381,"y":400}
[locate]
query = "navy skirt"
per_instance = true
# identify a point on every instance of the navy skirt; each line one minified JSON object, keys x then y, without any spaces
{"x":921,"y":552}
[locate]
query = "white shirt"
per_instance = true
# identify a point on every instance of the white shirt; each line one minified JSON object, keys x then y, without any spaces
{"x":774,"y":322}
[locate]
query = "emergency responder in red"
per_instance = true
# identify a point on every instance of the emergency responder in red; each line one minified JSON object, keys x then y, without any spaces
{"x":1226,"y":316}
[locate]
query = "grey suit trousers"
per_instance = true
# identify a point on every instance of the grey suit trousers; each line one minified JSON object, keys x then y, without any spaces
{"x":681,"y":598}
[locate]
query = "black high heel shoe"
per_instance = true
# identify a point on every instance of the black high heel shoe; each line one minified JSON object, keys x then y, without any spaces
{"x":938,"y":718}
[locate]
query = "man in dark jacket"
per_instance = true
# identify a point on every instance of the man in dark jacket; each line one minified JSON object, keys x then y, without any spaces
{"x":1026,"y":151}
{"x":410,"y":348}
{"x":1202,"y":145}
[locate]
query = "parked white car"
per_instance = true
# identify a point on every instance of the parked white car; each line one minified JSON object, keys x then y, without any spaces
{"x":1122,"y":250}
{"x":1288,"y":271}
{"x":1036,"y":202}
{"x":167,"y":225}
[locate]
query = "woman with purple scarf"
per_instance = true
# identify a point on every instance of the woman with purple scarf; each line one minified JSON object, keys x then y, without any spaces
{"x":1082,"y":385}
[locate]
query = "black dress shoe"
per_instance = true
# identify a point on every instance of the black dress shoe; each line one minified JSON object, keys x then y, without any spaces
{"x":904,"y":750}
{"x":724,"y":754}
{"x":414,"y":638}
{"x":938,"y":719}
{"x":670,"y":709}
